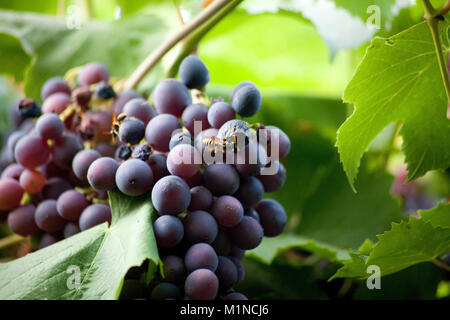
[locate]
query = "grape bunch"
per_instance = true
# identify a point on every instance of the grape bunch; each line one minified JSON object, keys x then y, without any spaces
{"x":203,"y":166}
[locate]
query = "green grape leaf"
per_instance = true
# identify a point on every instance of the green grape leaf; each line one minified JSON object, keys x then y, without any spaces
{"x":406,"y":244}
{"x":98,"y":257}
{"x":399,"y":81}
{"x":54,"y":48}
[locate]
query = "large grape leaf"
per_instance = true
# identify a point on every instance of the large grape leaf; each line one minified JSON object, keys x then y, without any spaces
{"x":399,"y":80}
{"x":103,"y":255}
{"x":54,"y":48}
{"x":406,"y":244}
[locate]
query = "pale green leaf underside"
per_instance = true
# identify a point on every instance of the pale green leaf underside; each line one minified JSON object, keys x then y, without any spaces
{"x":399,"y":80}
{"x":103,"y":254}
{"x":406,"y":244}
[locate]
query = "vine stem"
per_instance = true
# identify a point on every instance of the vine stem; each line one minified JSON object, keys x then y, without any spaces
{"x":156,"y":55}
{"x":10,"y":240}
{"x":441,"y":265}
{"x":192,"y":41}
{"x":432,"y":17}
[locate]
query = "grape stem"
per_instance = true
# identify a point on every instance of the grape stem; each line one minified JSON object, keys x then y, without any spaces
{"x":156,"y":55}
{"x":192,"y":41}
{"x":10,"y":240}
{"x":432,"y":17}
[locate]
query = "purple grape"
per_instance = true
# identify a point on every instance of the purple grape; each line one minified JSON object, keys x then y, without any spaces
{"x":157,"y":163}
{"x":222,"y":243}
{"x":221,"y":179}
{"x":50,"y":126}
{"x":201,"y":199}
{"x":132,"y":131}
{"x":82,"y":161}
{"x":47,"y":217}
{"x":53,"y":85}
{"x":195,"y":113}
{"x":246,"y":100}
{"x":13,"y":171}
{"x":159,"y":131}
{"x":250,"y":212}
{"x":21,"y":221}
{"x":70,"y":229}
{"x":201,"y":256}
{"x":239,"y":267}
{"x":284,"y":143}
{"x":169,"y":231}
{"x":102,"y":174}
{"x":140,"y":109}
{"x":93,"y":73}
{"x":274,"y":182}
{"x":134,"y":177}
{"x":181,"y":137}
{"x":250,"y":192}
{"x":184,"y":161}
{"x":200,"y":226}
{"x":71,"y":204}
{"x":56,"y":103}
{"x":171,"y":195}
{"x":228,"y":211}
{"x":193,"y":72}
{"x":171,"y":96}
{"x":10,"y":194}
{"x":247,"y":235}
{"x":226,"y":273}
{"x":202,"y":284}
{"x":31,"y":151}
{"x":65,"y":149}
{"x":94,"y":215}
{"x":272,"y":217}
{"x":54,"y":187}
{"x":219,"y":113}
{"x":48,"y":239}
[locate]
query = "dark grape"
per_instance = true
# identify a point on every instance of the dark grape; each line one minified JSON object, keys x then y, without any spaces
{"x":284,"y":143}
{"x":220,"y":113}
{"x":132,"y":130}
{"x":54,"y":187}
{"x":123,"y":152}
{"x":202,"y":284}
{"x":166,"y":290}
{"x":134,"y":177}
{"x":228,"y":211}
{"x":140,"y":109}
{"x":222,"y":244}
{"x":184,"y":161}
{"x":200,"y":226}
{"x":21,"y":221}
{"x":48,"y":239}
{"x":239,"y":86}
{"x":93,"y":73}
{"x":31,"y":151}
{"x":235,"y":296}
{"x":273,"y":182}
{"x":272,"y":217}
{"x":171,"y":195}
{"x":142,"y":152}
{"x":65,"y":149}
{"x":247,"y":234}
{"x":47,"y":217}
{"x":250,"y":212}
{"x":104,"y":91}
{"x":13,"y":171}
{"x":181,"y":137}
{"x":173,"y":269}
{"x":12,"y":142}
{"x":159,"y":131}
{"x":56,"y":103}
{"x":195,"y":180}
{"x":201,"y":256}
{"x":246,"y":100}
{"x":82,"y":96}
{"x":193,"y":72}
{"x":169,"y":231}
{"x":71,"y":204}
{"x":221,"y":179}
{"x":195,"y":118}
{"x":157,"y":163}
{"x":82,"y":161}
{"x":239,"y":267}
{"x":171,"y":96}
{"x":10,"y":194}
{"x":250,"y":192}
{"x":201,"y":199}
{"x":50,"y":126}
{"x":93,"y":215}
{"x":32,"y":181}
{"x":226,"y":273}
{"x":53,"y":85}
{"x":102,"y":174}
{"x":70,"y":229}
{"x":28,"y":108}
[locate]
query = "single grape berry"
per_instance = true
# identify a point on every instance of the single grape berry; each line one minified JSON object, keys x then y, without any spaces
{"x":104,"y":91}
{"x":50,"y":126}
{"x":53,"y":85}
{"x":54,"y":187}
{"x":171,"y":195}
{"x":195,"y":118}
{"x":142,"y":152}
{"x":201,"y":256}
{"x":102,"y":174}
{"x":70,"y":229}
{"x":184,"y":161}
{"x":65,"y":149}
{"x":226,"y":273}
{"x":171,"y":96}
{"x":32,"y":181}
{"x":134,"y":177}
{"x":132,"y":130}
{"x":201,"y":199}
{"x":221,"y":179}
{"x":31,"y":151}
{"x":93,"y":215}
{"x":272,"y":217}
{"x":140,"y":109}
{"x":21,"y":221}
{"x":250,"y":192}
{"x":28,"y":108}
{"x":13,"y":171}
{"x":10,"y":194}
{"x":159,"y":131}
{"x":157,"y":162}
{"x":246,"y":100}
{"x":82,"y":161}
{"x":193,"y":72}
{"x":48,"y":239}
{"x":200,"y":226}
{"x":220,"y":113}
{"x":169,"y":231}
{"x":273,"y":182}
{"x":56,"y":103}
{"x":47,"y":217}
{"x":71,"y":204}
{"x":222,"y":243}
{"x":181,"y":137}
{"x":93,"y":73}
{"x":82,"y":96}
{"x":228,"y":211}
{"x":123,"y":153}
{"x":201,"y":284}
{"x":248,"y":234}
